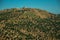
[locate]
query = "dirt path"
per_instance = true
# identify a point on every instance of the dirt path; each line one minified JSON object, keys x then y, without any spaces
{"x":39,"y":14}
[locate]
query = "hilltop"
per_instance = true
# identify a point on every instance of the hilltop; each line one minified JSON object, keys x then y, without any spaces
{"x":29,"y":24}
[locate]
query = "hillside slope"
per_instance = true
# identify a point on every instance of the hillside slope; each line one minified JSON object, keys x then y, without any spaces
{"x":29,"y":24}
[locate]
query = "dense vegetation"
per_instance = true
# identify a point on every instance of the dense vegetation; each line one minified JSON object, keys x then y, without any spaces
{"x":25,"y":24}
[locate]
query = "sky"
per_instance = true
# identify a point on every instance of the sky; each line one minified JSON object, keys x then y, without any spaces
{"x":52,"y":6}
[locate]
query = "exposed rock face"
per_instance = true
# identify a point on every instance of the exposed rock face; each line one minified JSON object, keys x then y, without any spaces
{"x":29,"y":24}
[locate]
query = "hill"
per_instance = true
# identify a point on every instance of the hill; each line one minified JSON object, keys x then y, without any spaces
{"x":29,"y":24}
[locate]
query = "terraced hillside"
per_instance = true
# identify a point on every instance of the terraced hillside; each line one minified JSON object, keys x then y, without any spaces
{"x":29,"y":24}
